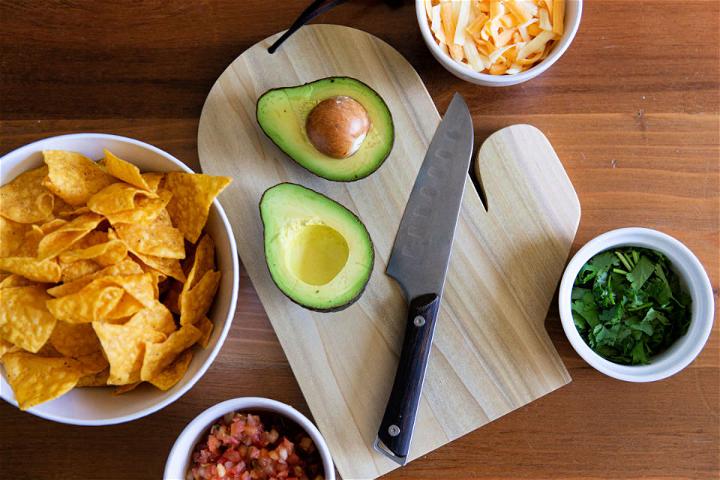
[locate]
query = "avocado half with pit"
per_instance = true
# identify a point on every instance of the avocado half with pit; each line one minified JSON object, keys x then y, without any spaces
{"x":318,"y":252}
{"x":338,"y":128}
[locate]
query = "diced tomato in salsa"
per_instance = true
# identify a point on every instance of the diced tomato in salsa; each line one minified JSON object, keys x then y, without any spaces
{"x":240,"y":447}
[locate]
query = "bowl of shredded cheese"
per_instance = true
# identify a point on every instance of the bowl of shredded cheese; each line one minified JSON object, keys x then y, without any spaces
{"x":498,"y":42}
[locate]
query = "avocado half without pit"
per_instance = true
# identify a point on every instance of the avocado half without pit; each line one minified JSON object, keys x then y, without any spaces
{"x":319,"y":253}
{"x":338,"y":127}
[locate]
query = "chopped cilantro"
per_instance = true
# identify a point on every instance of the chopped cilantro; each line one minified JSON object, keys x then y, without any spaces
{"x":628,"y":305}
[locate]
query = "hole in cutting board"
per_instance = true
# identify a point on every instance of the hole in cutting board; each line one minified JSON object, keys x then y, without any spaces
{"x":476,"y":177}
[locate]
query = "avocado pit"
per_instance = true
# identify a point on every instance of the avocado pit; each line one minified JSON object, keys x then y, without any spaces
{"x":337,"y":126}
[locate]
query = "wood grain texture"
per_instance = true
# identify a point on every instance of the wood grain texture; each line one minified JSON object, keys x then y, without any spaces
{"x":630,"y":109}
{"x":490,"y":354}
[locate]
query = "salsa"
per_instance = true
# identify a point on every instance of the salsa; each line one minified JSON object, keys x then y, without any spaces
{"x":243,"y":446}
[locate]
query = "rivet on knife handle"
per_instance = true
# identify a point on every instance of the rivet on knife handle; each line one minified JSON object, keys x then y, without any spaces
{"x":397,"y":425}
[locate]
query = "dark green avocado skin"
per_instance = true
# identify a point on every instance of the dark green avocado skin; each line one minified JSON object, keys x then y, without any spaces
{"x":371,"y":91}
{"x":308,"y":307}
{"x":335,"y":309}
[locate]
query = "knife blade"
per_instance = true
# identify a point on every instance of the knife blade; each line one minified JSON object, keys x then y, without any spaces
{"x":419,"y":263}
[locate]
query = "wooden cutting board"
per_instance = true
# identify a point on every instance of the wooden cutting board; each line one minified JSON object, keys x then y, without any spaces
{"x":491,"y":353}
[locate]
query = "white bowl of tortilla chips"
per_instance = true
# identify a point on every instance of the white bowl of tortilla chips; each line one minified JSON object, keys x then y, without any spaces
{"x":123,"y":260}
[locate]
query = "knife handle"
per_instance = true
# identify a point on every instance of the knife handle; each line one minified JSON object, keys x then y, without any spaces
{"x":399,"y":419}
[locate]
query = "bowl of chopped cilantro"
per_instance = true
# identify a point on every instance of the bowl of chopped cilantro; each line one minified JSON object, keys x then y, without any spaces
{"x":636,"y":304}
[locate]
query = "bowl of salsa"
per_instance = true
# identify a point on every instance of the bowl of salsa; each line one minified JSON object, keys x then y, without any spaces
{"x":250,"y":438}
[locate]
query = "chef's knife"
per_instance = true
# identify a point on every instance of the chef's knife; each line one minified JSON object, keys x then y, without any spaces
{"x":419,"y":262}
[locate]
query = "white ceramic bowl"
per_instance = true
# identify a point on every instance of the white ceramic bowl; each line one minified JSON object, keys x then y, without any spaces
{"x":178,"y":460}
{"x":692,"y":276}
{"x":97,"y":406}
{"x":573,"y":13}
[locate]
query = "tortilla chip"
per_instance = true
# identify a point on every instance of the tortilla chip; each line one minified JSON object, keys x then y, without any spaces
{"x":153,"y":180}
{"x":24,"y":319}
{"x":13,"y":280}
{"x":173,"y":373}
{"x":197,"y":301}
{"x":126,"y":307}
{"x":192,"y":196}
{"x":124,"y":346}
{"x":20,"y":242}
{"x":167,"y":266}
{"x":206,"y":326}
{"x":158,"y":241}
{"x":172,"y":297}
{"x":92,"y":303}
{"x":74,"y":177}
{"x":69,"y":214}
{"x":62,"y":209}
{"x":125,"y":171}
{"x":92,"y":363}
{"x":117,"y":197}
{"x":64,"y":237}
{"x":80,"y":269}
{"x":12,"y":236}
{"x":74,"y":339}
{"x":96,"y":237}
{"x":160,"y":355}
{"x":7,"y":347}
{"x":31,"y":268}
{"x":124,"y":267}
{"x":94,"y":379}
{"x":141,"y":287}
{"x":25,"y":199}
{"x":125,"y":388}
{"x":48,"y":350}
{"x":157,"y":317}
{"x":160,"y":281}
{"x":35,"y":379}
{"x":29,"y":246}
{"x":104,"y":254}
{"x":52,"y":225}
{"x":145,"y":212}
{"x":203,"y":261}
{"x":163,"y":219}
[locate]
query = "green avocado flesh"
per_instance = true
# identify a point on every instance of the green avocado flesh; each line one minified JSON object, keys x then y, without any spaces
{"x":318,"y":252}
{"x":282,"y":113}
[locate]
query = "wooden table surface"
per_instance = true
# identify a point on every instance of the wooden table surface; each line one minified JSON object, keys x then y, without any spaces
{"x":632,"y":110}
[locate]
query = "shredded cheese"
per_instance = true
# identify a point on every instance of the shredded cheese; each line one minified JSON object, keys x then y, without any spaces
{"x":544,"y":21}
{"x":558,"y":15}
{"x":436,"y":26}
{"x":474,"y":58}
{"x":462,"y":22}
{"x":499,"y":37}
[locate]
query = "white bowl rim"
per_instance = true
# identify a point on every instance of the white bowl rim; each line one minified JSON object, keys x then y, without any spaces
{"x":32,"y":147}
{"x":497,"y":80}
{"x":179,"y":452}
{"x":704,"y":302}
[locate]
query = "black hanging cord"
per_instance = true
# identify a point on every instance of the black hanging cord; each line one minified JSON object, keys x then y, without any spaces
{"x":316,"y":8}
